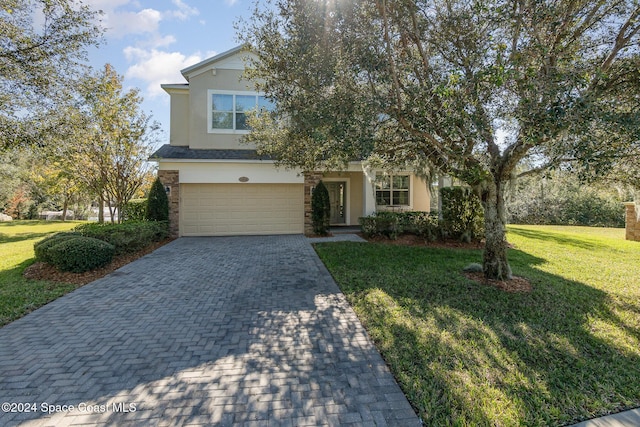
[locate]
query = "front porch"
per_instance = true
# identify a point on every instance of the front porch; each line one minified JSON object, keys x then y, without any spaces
{"x":360,"y":191}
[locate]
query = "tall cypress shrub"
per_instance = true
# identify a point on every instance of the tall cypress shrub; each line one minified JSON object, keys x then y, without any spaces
{"x":462,"y":213}
{"x":157,"y":203}
{"x":320,"y":210}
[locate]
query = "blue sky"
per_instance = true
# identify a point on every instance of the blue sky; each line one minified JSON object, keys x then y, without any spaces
{"x":150,"y":41}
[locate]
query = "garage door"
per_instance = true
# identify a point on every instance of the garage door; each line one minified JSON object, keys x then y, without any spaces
{"x":233,"y":209}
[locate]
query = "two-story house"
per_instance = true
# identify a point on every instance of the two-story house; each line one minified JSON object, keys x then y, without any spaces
{"x":219,"y":186}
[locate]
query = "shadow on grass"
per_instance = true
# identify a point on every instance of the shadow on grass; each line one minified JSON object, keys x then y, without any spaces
{"x":20,"y":296}
{"x":469,"y":354}
{"x":6,"y":238}
{"x":555,"y":238}
{"x":24,"y":222}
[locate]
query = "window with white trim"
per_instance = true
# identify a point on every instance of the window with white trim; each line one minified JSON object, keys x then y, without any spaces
{"x":392,"y":190}
{"x":228,"y":110}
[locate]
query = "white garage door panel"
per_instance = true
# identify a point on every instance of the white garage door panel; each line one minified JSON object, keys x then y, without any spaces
{"x":232,"y":209}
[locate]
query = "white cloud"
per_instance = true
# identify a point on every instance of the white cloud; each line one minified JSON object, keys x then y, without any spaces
{"x":149,"y":61}
{"x":123,"y":23}
{"x":183,"y":12}
{"x":105,"y":4}
{"x":123,"y":17}
{"x":156,"y":41}
{"x":231,"y":2}
{"x":118,"y":23}
{"x":156,"y":67}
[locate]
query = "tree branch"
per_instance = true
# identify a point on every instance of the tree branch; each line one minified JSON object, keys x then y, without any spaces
{"x":382,"y":7}
{"x":622,"y":39}
{"x":545,"y":166}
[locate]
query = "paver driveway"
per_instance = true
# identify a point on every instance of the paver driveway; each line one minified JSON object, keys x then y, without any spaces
{"x":204,"y":331}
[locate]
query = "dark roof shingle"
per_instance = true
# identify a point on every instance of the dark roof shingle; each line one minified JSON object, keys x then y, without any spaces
{"x":168,"y":151}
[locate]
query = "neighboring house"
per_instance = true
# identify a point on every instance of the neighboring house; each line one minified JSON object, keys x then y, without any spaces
{"x":218,"y":186}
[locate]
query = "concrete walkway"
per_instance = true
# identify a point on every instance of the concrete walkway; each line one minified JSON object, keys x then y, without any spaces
{"x":629,"y":418}
{"x":204,"y":331}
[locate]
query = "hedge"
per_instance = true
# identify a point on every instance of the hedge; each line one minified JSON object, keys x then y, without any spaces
{"x":79,"y":254}
{"x":135,"y":210}
{"x":126,"y":237}
{"x":393,"y":224}
{"x":42,"y":247}
{"x":462,"y":219}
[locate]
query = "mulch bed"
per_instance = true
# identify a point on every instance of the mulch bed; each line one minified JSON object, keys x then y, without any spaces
{"x":42,"y":271}
{"x":413,"y":240}
{"x":516,"y":284}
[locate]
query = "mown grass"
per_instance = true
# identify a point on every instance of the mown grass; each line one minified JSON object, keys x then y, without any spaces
{"x":18,"y":295}
{"x":468,"y":354}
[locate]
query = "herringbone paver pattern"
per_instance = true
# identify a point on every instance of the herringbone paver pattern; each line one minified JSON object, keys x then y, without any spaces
{"x":204,"y":331}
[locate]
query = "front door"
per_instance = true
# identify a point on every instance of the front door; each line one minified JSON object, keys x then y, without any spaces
{"x":337,"y":200}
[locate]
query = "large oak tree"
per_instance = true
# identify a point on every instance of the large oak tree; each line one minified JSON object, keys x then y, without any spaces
{"x":42,"y":54}
{"x":469,"y":87}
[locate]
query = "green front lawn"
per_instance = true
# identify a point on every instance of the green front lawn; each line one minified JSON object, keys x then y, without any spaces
{"x":469,"y":354}
{"x":19,"y":296}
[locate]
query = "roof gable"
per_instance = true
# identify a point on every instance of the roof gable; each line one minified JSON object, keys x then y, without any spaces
{"x":233,"y":59}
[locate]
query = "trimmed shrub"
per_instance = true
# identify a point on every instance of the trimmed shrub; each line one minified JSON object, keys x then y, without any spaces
{"x":426,"y":225}
{"x":368,"y":225}
{"x":80,"y":254}
{"x":42,"y":247}
{"x":387,"y":224}
{"x":126,"y":237}
{"x":393,"y":224}
{"x":462,"y":214}
{"x":157,"y":203}
{"x":135,"y":210}
{"x":320,"y":210}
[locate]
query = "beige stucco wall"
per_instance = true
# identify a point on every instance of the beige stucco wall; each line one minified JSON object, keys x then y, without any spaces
{"x":421,"y":195}
{"x":198,"y":121}
{"x":230,"y":172}
{"x":179,"y":129}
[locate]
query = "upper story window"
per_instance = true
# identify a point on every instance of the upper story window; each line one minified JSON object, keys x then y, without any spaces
{"x":392,"y":190}
{"x":228,"y":110}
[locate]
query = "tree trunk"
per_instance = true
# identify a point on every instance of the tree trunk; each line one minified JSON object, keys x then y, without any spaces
{"x":65,"y":206}
{"x":495,"y":264}
{"x":111,"y":213}
{"x":101,"y":209}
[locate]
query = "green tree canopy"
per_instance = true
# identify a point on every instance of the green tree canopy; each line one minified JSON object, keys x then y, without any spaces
{"x":107,"y":147}
{"x":470,"y":88}
{"x":42,"y":52}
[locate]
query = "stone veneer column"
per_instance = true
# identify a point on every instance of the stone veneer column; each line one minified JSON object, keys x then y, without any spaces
{"x":171,"y":179}
{"x":632,"y":222}
{"x":311,"y":179}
